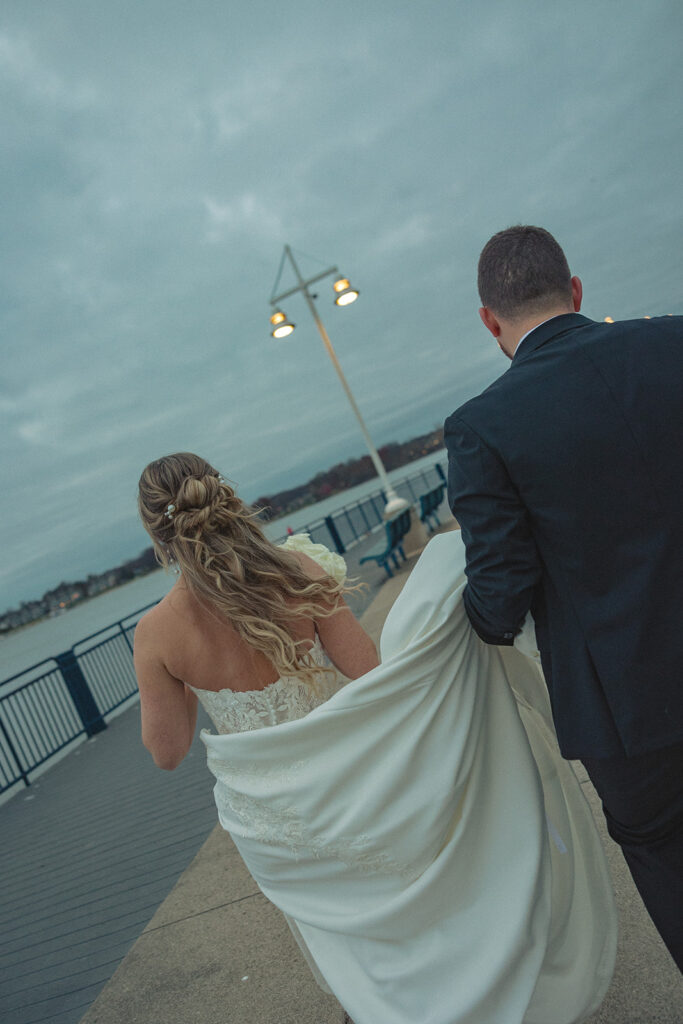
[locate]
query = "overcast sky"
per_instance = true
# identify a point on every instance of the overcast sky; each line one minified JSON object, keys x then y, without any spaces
{"x":155,"y":157}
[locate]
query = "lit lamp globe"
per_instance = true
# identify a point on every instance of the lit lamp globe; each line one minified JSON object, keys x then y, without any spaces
{"x":281,"y":325}
{"x":345,"y":294}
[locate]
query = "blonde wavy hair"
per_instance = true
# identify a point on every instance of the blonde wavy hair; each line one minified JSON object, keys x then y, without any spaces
{"x":199,"y":525}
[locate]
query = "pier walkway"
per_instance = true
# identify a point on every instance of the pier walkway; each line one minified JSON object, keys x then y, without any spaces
{"x":122,"y":902}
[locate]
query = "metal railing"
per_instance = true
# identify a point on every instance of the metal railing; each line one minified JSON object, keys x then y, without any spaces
{"x":351,"y":523}
{"x":58,"y":701}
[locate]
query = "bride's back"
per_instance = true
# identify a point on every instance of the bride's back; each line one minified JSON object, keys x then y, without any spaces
{"x":201,"y":648}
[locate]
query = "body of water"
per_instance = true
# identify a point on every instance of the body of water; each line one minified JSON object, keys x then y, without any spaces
{"x":24,"y":647}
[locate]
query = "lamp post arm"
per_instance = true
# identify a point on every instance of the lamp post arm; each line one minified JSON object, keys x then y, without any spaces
{"x":374,"y":454}
{"x":285,"y":295}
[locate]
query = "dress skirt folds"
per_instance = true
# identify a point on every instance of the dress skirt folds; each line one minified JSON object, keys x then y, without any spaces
{"x":433,"y":852}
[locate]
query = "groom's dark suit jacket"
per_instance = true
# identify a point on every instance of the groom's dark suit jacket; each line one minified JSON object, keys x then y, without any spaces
{"x":566,"y":476}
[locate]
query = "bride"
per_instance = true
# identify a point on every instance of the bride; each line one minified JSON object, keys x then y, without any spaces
{"x":430,"y":849}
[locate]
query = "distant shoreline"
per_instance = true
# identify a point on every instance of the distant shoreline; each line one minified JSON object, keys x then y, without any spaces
{"x":77,"y":604}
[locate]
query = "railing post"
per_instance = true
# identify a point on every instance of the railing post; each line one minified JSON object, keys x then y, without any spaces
{"x":437,"y":467}
{"x":125,"y":634}
{"x":350,"y":524}
{"x":334,"y":534}
{"x":377,"y":512}
{"x":79,"y":691}
{"x":23,"y":773}
{"x":361,"y":509}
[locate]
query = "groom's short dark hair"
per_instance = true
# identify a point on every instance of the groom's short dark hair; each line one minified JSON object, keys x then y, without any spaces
{"x":523,"y":270}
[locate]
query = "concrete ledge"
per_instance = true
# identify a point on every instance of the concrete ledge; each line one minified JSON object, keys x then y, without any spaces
{"x":216,"y":951}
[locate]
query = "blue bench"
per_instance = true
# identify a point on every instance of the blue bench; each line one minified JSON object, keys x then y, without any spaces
{"x":429,"y":503}
{"x":395,"y":530}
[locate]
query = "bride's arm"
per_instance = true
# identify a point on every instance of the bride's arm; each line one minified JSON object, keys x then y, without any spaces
{"x":168,"y":708}
{"x":346,"y":643}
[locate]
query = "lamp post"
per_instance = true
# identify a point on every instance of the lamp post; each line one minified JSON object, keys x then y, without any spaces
{"x":282,"y":327}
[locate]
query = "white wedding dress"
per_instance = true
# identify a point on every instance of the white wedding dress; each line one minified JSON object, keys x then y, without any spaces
{"x":431,"y":850}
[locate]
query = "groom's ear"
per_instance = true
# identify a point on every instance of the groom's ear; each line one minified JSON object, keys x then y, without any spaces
{"x":489,"y":320}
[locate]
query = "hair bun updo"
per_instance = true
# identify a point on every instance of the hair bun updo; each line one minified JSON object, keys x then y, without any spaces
{"x":198,"y":504}
{"x":183,"y":495}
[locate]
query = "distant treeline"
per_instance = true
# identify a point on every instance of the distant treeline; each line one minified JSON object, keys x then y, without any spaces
{"x":347,"y":474}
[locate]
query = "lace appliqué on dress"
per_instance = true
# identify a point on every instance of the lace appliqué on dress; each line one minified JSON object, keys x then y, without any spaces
{"x":285,"y":700}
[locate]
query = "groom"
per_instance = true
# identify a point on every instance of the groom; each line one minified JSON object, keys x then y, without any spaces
{"x":566,"y":476}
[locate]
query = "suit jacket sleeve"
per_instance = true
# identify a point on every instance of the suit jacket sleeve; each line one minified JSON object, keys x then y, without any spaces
{"x":503,"y":566}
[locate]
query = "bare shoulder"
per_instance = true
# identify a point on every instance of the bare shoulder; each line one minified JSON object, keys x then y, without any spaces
{"x":152,"y":629}
{"x":146,"y":638}
{"x":148,"y":625}
{"x":309,"y":565}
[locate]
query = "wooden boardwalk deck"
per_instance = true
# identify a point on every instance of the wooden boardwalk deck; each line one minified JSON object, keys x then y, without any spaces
{"x":89,"y":853}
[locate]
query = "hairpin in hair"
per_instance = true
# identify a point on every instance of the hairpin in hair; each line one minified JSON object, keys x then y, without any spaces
{"x":170,"y":509}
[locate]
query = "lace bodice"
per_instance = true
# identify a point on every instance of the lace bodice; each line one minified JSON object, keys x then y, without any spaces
{"x":283,"y":701}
